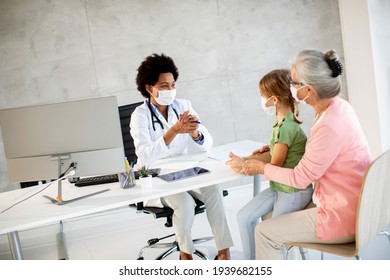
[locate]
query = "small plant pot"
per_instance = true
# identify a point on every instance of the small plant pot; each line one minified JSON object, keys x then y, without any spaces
{"x":146,"y":182}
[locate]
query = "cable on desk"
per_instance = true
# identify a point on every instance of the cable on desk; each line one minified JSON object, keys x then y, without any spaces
{"x":72,"y":165}
{"x":6,"y":209}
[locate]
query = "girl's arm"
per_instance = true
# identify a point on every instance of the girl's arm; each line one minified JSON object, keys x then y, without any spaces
{"x":279,"y":155}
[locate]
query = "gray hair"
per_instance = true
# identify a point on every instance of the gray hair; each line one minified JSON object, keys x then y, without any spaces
{"x":319,"y":70}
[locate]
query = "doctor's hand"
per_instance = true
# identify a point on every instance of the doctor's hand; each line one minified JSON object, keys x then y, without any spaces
{"x":186,"y":124}
{"x":235,"y":163}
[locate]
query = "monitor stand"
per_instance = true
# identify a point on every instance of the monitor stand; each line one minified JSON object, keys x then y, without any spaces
{"x":59,"y":200}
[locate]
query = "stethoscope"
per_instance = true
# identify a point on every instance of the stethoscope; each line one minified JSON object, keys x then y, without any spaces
{"x":154,"y":116}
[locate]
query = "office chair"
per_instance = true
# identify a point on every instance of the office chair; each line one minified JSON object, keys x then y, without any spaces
{"x":166,"y":212}
{"x":128,"y":142}
{"x":373,"y":214}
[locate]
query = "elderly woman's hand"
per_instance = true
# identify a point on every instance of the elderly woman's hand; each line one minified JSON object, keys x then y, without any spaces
{"x":235,"y":163}
{"x":253,"y":167}
{"x":245,"y":166}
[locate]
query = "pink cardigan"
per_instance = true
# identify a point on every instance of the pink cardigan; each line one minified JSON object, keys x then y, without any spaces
{"x":336,"y":159}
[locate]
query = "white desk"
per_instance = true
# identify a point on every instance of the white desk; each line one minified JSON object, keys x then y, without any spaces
{"x":37,"y":211}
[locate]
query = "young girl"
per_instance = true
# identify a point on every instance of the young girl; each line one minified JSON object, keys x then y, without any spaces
{"x":286,"y":147}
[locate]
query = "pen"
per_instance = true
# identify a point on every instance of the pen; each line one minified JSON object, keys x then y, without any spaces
{"x":191,"y":112}
{"x":131,"y":174}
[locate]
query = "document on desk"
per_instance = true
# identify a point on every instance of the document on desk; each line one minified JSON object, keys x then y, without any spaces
{"x":224,"y":156}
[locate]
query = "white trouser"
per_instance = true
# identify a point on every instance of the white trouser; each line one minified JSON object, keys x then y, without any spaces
{"x":183,"y":206}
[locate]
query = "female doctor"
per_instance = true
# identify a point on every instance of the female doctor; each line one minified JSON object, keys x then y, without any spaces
{"x":162,"y":127}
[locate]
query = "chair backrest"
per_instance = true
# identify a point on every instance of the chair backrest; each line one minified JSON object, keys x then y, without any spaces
{"x":128,"y":142}
{"x":374,"y":204}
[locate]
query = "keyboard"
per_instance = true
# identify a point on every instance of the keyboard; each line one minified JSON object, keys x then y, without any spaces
{"x":97,"y":180}
{"x":110,"y":178}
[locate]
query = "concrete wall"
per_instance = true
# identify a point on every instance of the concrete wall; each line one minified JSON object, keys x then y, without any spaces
{"x":379,"y":11}
{"x":365,"y":28}
{"x":64,"y":50}
{"x":56,"y":50}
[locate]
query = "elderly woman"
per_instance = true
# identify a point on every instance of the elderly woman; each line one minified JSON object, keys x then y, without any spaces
{"x":336,"y":159}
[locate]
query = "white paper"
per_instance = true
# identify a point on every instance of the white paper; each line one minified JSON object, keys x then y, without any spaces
{"x":224,"y":156}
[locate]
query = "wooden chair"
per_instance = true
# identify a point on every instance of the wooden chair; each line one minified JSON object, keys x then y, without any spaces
{"x":373,"y":213}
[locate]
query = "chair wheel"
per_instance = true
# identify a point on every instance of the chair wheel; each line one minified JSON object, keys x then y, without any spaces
{"x":140,"y":258}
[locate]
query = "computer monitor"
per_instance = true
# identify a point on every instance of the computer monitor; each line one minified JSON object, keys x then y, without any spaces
{"x":87,"y":132}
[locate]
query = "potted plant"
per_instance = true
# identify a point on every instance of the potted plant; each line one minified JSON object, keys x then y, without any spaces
{"x":145,"y":177}
{"x":143,"y":171}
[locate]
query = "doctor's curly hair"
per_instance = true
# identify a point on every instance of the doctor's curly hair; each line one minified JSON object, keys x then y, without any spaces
{"x":150,"y":70}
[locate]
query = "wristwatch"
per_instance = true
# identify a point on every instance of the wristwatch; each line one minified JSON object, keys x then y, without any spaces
{"x":199,"y":137}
